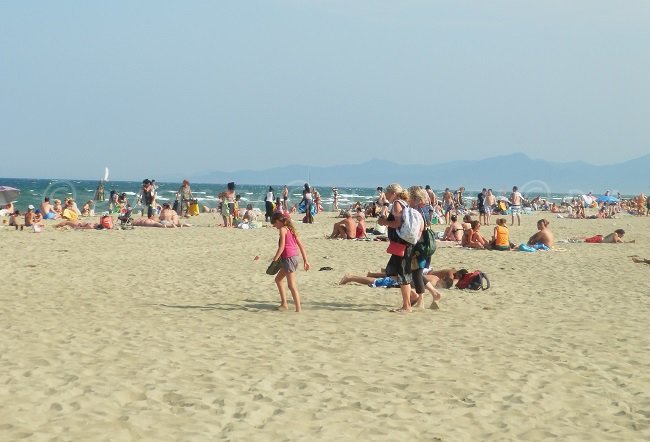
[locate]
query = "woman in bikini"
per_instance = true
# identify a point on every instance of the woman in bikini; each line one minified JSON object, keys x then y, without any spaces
{"x":454,"y":232}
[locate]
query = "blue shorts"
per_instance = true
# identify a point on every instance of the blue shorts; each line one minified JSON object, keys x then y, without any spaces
{"x":386,"y":282}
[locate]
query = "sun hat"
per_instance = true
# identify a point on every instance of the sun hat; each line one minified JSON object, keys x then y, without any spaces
{"x":30,"y":207}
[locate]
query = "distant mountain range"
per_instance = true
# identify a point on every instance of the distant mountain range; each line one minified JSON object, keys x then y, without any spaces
{"x":500,"y":173}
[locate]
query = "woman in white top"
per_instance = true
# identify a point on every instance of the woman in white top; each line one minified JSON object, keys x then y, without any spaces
{"x":309,"y":202}
{"x":268,"y":203}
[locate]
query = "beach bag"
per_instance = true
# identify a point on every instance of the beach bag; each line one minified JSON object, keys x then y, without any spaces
{"x":412,"y":223}
{"x":475,"y":280}
{"x":396,"y":248}
{"x":106,"y":222}
{"x":193,"y":208}
{"x":427,"y":246}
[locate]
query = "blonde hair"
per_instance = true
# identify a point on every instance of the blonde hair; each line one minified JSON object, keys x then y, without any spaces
{"x":398,"y":190}
{"x":417,"y":194}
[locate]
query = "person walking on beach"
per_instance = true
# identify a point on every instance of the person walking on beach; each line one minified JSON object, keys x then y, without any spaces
{"x":516,"y":199}
{"x":335,"y":198}
{"x":184,"y":195}
{"x":381,"y":197}
{"x":433,"y":199}
{"x":268,"y":204}
{"x":146,"y":199}
{"x":285,"y":196}
{"x":288,"y":246}
{"x":460,"y":204}
{"x":447,"y":204}
{"x":480,"y":202}
{"x":490,"y":203}
{"x":399,"y":263}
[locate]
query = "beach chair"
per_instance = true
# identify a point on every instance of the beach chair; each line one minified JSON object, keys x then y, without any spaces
{"x":126,"y":219}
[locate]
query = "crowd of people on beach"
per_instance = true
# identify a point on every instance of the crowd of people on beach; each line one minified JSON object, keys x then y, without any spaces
{"x":416,"y":210}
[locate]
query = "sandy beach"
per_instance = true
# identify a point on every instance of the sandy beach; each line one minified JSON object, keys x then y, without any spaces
{"x":172,"y":334}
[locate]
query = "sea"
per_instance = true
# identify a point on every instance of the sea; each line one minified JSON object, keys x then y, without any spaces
{"x":33,"y":191}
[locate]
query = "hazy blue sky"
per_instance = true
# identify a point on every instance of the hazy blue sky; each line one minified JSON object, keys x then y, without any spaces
{"x":153,"y":88}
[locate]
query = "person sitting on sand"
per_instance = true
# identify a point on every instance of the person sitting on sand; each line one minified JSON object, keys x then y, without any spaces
{"x":168,"y":217}
{"x":467,"y":222}
{"x":38,"y":216}
{"x":473,"y":239}
{"x":344,"y":229}
{"x":29,"y":216}
{"x":47,"y":209}
{"x":250,"y":216}
{"x":57,"y":208}
{"x":543,"y":236}
{"x":69,"y":212}
{"x":361,"y":225}
{"x":13,"y":220}
{"x":9,"y":209}
{"x":501,"y":237}
{"x":85,"y":210}
{"x":454,"y":231}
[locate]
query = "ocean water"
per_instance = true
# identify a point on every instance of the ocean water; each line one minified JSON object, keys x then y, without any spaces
{"x":34,"y":190}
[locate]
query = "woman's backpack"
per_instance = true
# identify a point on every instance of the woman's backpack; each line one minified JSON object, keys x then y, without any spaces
{"x":412,"y":223}
{"x":427,"y":247}
{"x":475,"y":280}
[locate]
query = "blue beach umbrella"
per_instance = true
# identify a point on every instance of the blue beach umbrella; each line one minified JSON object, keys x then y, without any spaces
{"x":608,"y":199}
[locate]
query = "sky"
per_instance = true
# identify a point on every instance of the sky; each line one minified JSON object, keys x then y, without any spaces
{"x":160,"y":88}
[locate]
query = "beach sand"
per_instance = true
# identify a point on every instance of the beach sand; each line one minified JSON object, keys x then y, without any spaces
{"x":172,"y":334}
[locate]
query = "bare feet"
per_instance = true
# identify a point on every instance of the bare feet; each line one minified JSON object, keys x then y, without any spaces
{"x":345,"y":279}
{"x":400,"y":310}
{"x":283,"y":308}
{"x":419,"y":304}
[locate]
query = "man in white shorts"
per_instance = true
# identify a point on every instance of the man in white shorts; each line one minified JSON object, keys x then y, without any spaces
{"x":516,"y":200}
